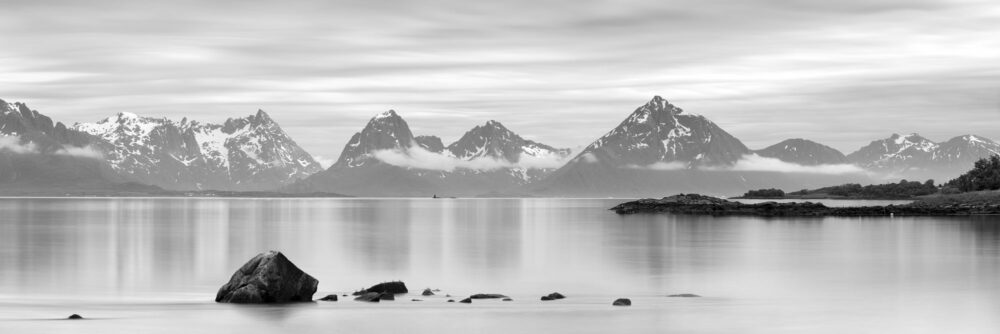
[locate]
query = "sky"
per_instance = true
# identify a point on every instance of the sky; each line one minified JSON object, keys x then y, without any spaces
{"x":842,"y":73}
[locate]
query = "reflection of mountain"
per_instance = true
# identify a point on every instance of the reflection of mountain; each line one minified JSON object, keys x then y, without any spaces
{"x":386,"y":159}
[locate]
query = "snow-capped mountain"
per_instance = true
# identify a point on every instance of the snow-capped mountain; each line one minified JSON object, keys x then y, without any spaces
{"x":659,"y":150}
{"x":963,"y":151}
{"x":386,"y":159}
{"x":493,"y":140}
{"x":916,"y":157}
{"x":658,"y":132}
{"x":803,"y":152}
{"x":250,"y":153}
{"x":894,"y":153}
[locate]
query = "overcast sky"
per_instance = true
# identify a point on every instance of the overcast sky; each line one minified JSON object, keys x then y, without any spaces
{"x":562,"y":72}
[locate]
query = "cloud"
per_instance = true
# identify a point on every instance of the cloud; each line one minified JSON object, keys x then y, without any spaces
{"x":80,"y":152}
{"x":756,"y":163}
{"x":324,"y":161}
{"x":13,"y":144}
{"x":420,"y":158}
{"x":673,"y":165}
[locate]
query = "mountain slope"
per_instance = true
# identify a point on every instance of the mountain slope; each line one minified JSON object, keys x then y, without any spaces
{"x":803,"y":152}
{"x":385,"y":159}
{"x":40,"y":156}
{"x":250,"y":153}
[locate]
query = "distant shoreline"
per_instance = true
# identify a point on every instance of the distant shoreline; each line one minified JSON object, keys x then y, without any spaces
{"x":968,"y":204}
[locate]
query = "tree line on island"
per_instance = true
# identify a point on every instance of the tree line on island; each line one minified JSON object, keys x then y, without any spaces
{"x":985,"y":175}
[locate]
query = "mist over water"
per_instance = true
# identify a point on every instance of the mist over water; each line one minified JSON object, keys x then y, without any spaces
{"x":142,"y":264}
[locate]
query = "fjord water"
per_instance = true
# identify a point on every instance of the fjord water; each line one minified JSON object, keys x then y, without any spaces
{"x":134,"y":265}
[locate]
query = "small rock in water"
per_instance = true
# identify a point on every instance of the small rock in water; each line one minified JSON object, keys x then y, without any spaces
{"x":416,"y":300}
{"x":75,"y":317}
{"x":387,"y":296}
{"x":685,"y":295}
{"x":394,"y":287}
{"x":553,"y":296}
{"x":428,"y":292}
{"x":268,"y":278}
{"x":329,"y":298}
{"x":466,"y":300}
{"x":451,"y":300}
{"x":622,"y":302}
{"x":487,"y":296}
{"x":372,"y":297}
{"x":507,"y":299}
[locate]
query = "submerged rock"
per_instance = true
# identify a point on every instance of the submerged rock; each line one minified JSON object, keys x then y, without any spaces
{"x":329,"y":298}
{"x":487,"y":296}
{"x":75,"y":317}
{"x":466,"y":300}
{"x":508,"y":300}
{"x":268,"y":278}
{"x":452,"y":301}
{"x":428,"y":292}
{"x":685,"y":295}
{"x":622,"y":302}
{"x":371,"y":297}
{"x":416,"y":300}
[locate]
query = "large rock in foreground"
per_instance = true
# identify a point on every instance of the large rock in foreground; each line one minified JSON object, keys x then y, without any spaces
{"x":268,"y":278}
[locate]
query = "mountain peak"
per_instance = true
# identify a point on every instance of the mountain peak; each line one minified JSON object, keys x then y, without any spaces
{"x":386,"y":114}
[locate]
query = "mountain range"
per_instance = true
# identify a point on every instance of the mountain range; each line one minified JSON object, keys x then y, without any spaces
{"x":386,"y":159}
{"x":656,"y":150}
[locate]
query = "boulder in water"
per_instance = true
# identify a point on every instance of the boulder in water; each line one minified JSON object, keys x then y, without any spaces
{"x":329,"y":298}
{"x":487,"y":296}
{"x":75,"y":317}
{"x":428,"y":292}
{"x":466,"y":300}
{"x":268,"y":278}
{"x":394,"y":287}
{"x":622,"y":302}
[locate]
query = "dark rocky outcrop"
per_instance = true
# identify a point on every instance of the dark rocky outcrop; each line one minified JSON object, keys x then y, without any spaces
{"x":268,"y":278}
{"x":694,"y":204}
{"x":329,"y":298}
{"x":487,"y":296}
{"x":371,"y":297}
{"x":75,"y":317}
{"x":622,"y":302}
{"x":428,"y":292}
{"x":387,"y":296}
{"x":685,"y":295}
{"x":466,"y":300}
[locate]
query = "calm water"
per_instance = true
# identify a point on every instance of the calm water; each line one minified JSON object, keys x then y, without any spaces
{"x":154,"y":265}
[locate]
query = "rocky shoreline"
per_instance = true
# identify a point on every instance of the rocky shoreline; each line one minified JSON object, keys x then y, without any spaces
{"x":694,"y":204}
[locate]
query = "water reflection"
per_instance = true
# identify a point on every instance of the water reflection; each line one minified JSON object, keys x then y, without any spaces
{"x":143,"y":247}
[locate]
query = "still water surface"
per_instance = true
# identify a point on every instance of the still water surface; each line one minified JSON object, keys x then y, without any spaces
{"x":154,"y":265}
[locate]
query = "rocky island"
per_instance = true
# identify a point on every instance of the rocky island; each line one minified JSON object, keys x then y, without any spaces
{"x":693,"y":204}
